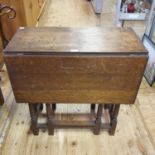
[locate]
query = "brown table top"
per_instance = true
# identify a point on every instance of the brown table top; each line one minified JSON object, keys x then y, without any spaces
{"x":76,"y":40}
{"x":45,"y":59}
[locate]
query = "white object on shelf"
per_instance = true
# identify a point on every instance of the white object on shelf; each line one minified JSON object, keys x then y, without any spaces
{"x":132,"y":16}
{"x":97,"y":5}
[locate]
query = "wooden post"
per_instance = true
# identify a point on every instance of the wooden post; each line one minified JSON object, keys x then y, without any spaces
{"x":106,"y":106}
{"x":50,"y":113}
{"x":98,"y":119}
{"x":92,"y":108}
{"x":113,"y":118}
{"x":34,"y":118}
{"x":1,"y":97}
{"x":53,"y":106}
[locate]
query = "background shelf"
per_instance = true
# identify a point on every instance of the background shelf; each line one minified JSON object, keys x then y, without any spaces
{"x":132,"y":16}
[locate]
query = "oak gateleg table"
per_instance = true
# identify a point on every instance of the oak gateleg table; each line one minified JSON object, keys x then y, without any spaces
{"x":51,"y":65}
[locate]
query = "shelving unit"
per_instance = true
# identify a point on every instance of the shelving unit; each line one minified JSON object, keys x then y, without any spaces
{"x":149,"y":43}
{"x":132,"y":10}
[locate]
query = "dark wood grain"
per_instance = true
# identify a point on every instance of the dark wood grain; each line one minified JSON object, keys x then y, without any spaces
{"x":43,"y":67}
{"x":93,"y":121}
{"x":75,"y":40}
{"x":113,"y":118}
{"x":75,"y":65}
{"x":50,"y":114}
{"x":83,"y":79}
{"x":98,"y":120}
{"x":34,"y":118}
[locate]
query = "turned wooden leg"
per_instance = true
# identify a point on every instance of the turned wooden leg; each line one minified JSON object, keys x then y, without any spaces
{"x":106,"y":106}
{"x":92,"y":108}
{"x":98,"y":119}
{"x":53,"y":106}
{"x":50,"y":113}
{"x":111,"y":108}
{"x":113,"y":118}
{"x":40,"y":107}
{"x":34,"y":118}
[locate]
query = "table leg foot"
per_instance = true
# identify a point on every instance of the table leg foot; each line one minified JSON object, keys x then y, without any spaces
{"x":98,"y":119}
{"x":114,"y":110}
{"x":34,"y":118}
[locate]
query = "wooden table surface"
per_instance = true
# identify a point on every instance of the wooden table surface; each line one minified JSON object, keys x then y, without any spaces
{"x":85,"y":40}
{"x":75,"y":65}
